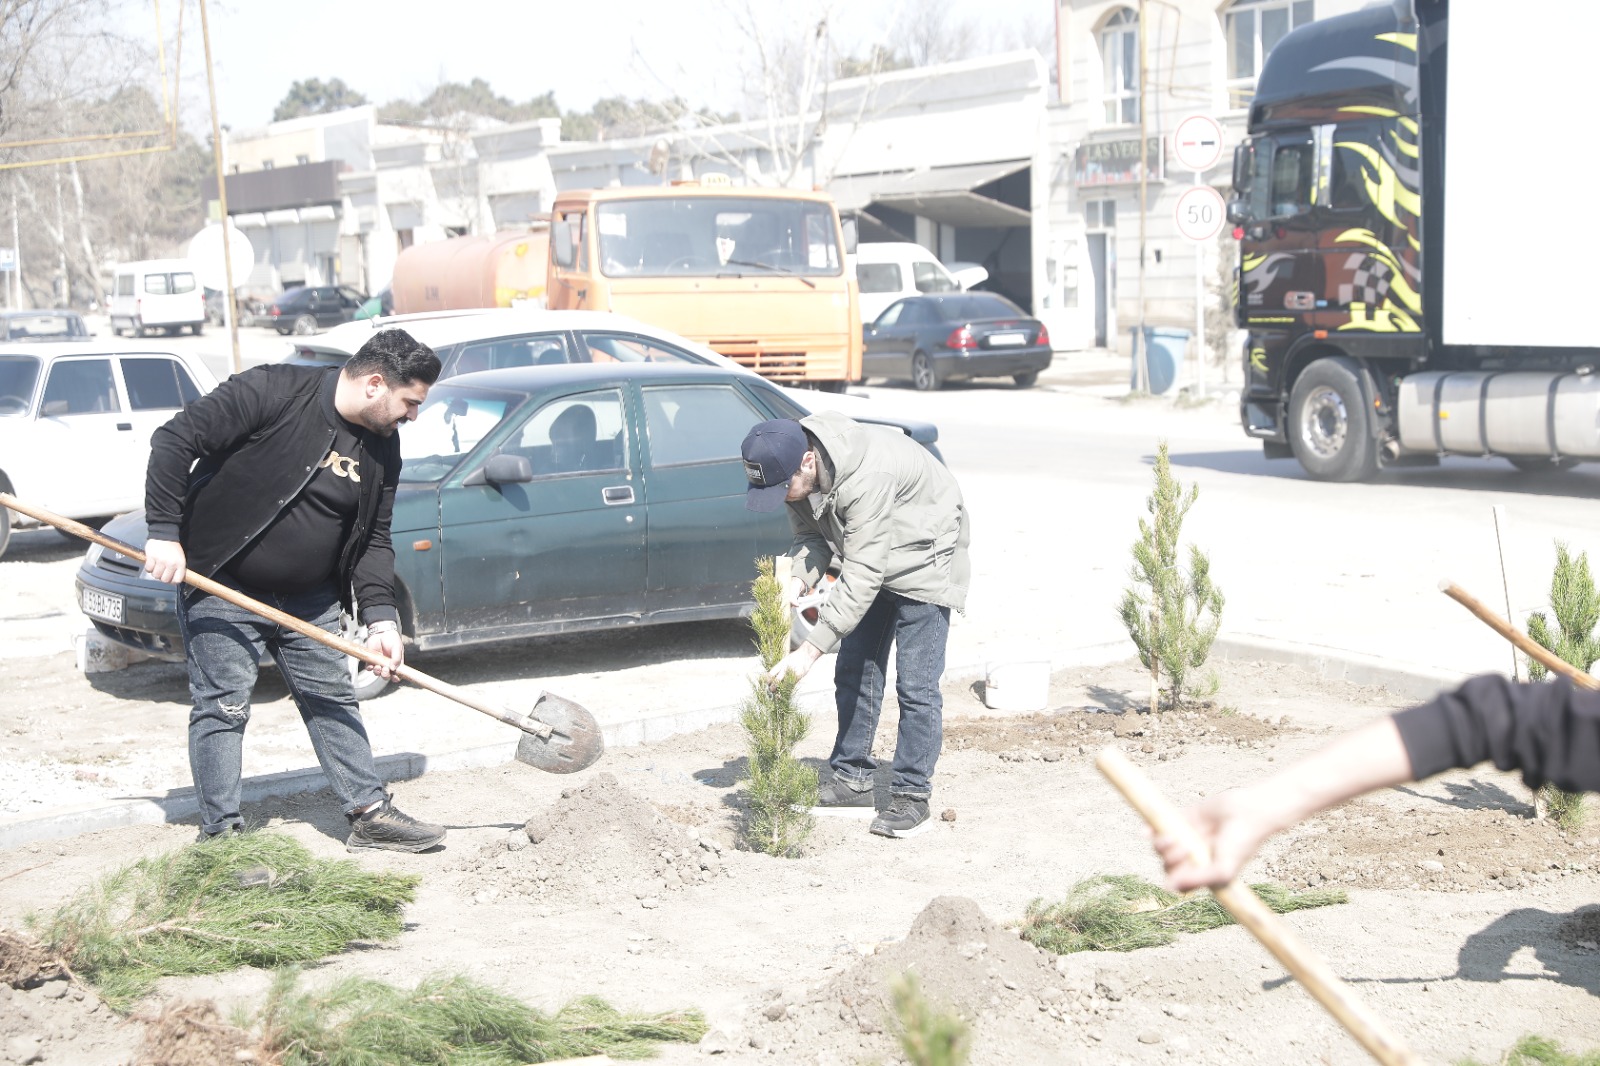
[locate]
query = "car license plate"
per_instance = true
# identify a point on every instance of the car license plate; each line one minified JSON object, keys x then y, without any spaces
{"x":998,"y":339}
{"x":102,"y":605}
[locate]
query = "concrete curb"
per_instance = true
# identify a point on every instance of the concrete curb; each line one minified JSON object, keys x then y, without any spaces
{"x":1405,"y":680}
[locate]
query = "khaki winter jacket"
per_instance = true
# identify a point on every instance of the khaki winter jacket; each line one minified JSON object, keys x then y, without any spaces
{"x":889,"y":512}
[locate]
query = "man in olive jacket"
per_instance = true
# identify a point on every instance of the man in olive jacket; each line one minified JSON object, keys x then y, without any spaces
{"x":890,"y":516}
{"x":280,"y":484}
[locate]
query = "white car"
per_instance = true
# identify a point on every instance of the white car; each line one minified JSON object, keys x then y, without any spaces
{"x":76,"y":419}
{"x":467,"y":341}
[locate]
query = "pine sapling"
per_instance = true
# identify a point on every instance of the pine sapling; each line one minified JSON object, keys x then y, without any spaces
{"x":1576,"y":606}
{"x":1171,"y":612}
{"x":927,"y":1036}
{"x":782,"y":788}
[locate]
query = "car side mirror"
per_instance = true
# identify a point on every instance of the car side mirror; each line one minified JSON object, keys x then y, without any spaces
{"x":501,"y":469}
{"x":561,"y":242}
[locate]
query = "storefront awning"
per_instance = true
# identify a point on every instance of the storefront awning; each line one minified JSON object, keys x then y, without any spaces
{"x":943,"y":194}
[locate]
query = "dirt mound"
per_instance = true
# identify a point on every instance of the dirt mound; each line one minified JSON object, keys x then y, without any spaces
{"x":1009,"y":991}
{"x":599,"y":844}
{"x":194,"y":1034}
{"x":24,"y":962}
{"x":1075,"y":734}
{"x":1413,"y":841}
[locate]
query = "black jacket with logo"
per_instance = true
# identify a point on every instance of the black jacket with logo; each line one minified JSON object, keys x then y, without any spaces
{"x":224,"y":466}
{"x":1548,"y":730}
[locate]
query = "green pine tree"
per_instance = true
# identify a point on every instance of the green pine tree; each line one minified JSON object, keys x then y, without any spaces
{"x":782,"y":788}
{"x":1171,"y":612}
{"x":1576,"y":606}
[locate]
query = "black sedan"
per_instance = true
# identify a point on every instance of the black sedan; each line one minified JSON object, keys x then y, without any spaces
{"x":306,"y":309}
{"x":928,"y":340}
{"x":541,"y":500}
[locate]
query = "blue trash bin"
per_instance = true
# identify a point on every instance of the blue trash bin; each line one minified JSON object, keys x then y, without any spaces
{"x":1166,"y":348}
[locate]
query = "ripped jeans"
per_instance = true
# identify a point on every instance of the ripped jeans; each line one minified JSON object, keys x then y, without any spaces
{"x":223,"y":646}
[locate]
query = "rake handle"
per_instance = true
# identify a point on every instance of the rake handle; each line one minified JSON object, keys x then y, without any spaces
{"x":1525,"y":644}
{"x":1247,"y":908}
{"x":288,"y":621}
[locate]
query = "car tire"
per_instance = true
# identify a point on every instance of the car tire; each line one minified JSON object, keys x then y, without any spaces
{"x":305,"y":325}
{"x":5,"y":529}
{"x":923,"y":379}
{"x":366,"y":684}
{"x":137,"y":329}
{"x":1027,"y":379}
{"x":1329,"y":426}
{"x":197,"y":328}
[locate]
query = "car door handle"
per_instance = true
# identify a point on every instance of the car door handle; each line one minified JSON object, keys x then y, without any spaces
{"x":617,"y":494}
{"x":125,"y":425}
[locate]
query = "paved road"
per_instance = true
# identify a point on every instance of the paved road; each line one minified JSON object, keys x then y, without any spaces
{"x":1057,"y":478}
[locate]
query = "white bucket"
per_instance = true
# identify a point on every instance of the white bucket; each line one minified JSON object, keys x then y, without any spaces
{"x":1017,"y":686}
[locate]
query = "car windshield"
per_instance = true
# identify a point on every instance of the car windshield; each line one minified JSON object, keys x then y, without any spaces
{"x":451,"y":423}
{"x":667,"y":236}
{"x":18,"y":375}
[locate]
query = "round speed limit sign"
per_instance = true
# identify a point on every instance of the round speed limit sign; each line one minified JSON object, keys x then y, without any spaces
{"x":1200,"y":212}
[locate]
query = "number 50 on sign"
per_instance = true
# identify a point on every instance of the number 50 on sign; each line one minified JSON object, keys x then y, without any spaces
{"x":1200,"y":212}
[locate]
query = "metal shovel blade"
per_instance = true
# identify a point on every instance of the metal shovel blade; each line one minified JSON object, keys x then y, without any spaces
{"x":574,"y":742}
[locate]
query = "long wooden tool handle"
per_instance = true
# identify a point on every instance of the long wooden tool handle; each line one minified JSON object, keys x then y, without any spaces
{"x":1526,"y":645}
{"x":299,"y":625}
{"x":1247,"y":908}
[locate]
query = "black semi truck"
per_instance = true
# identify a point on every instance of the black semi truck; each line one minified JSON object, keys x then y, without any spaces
{"x":1417,"y":248}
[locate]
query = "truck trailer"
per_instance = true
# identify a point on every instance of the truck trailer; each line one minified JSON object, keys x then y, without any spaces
{"x":1413,"y":274}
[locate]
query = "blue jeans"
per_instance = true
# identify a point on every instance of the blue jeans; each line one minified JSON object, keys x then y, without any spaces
{"x":918,"y":632}
{"x":223,"y":645}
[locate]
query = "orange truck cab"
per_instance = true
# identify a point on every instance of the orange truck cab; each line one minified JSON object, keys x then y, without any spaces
{"x":757,"y":274}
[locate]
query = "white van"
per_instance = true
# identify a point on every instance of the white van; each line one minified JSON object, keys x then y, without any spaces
{"x":156,"y":294}
{"x":889,"y":270}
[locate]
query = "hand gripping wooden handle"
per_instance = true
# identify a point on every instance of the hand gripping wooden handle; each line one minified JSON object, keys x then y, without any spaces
{"x":1247,"y":908}
{"x":1527,"y":645}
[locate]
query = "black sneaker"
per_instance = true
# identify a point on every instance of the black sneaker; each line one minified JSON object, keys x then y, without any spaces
{"x":387,"y":828}
{"x":233,"y":830}
{"x":836,"y":799}
{"x":906,"y":817}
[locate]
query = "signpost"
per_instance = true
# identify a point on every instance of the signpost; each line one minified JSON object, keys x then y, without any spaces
{"x":1196,"y":146}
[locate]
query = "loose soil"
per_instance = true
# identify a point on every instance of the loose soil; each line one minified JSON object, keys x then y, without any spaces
{"x":1469,"y":924}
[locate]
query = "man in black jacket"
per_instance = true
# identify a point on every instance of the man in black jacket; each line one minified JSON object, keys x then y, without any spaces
{"x":280,"y":483}
{"x":1549,"y":731}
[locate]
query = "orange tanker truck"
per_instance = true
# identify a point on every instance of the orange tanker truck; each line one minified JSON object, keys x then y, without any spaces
{"x":505,"y":269}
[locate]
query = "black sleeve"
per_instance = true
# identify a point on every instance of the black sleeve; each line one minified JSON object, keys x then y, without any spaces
{"x":374,"y":568}
{"x":216,"y":422}
{"x":1548,"y":730}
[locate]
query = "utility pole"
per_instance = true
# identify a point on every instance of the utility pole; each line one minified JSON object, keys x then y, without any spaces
{"x":1142,"y":359}
{"x":222,"y":192}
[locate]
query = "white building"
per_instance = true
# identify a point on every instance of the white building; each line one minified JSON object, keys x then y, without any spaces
{"x":1199,"y":57}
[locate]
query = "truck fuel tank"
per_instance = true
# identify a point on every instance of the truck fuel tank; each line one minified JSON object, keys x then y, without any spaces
{"x":1521,"y":412}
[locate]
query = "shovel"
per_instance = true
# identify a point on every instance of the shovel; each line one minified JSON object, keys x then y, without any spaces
{"x":559,"y":736}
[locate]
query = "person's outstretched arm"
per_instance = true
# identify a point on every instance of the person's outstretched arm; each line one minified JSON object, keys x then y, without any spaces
{"x":1234,"y":823}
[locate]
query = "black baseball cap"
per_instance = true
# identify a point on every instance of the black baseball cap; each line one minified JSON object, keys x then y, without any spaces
{"x":772,"y":452}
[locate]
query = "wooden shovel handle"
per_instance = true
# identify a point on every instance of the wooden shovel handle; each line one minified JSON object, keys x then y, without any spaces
{"x":1247,"y":908}
{"x":1525,"y":644}
{"x":288,"y":621}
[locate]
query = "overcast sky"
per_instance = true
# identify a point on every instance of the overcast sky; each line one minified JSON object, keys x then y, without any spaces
{"x":403,"y":48}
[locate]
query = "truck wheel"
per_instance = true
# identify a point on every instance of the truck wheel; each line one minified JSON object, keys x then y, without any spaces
{"x":1329,"y":423}
{"x":923,"y":379}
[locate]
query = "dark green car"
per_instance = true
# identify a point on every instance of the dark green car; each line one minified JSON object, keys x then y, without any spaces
{"x":546,"y":499}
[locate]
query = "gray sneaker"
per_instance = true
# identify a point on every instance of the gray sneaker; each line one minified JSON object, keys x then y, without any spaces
{"x":387,"y":828}
{"x":234,"y":829}
{"x":906,"y":817}
{"x":836,"y":799}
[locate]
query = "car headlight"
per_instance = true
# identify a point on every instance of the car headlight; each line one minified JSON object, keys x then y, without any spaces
{"x":91,"y":558}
